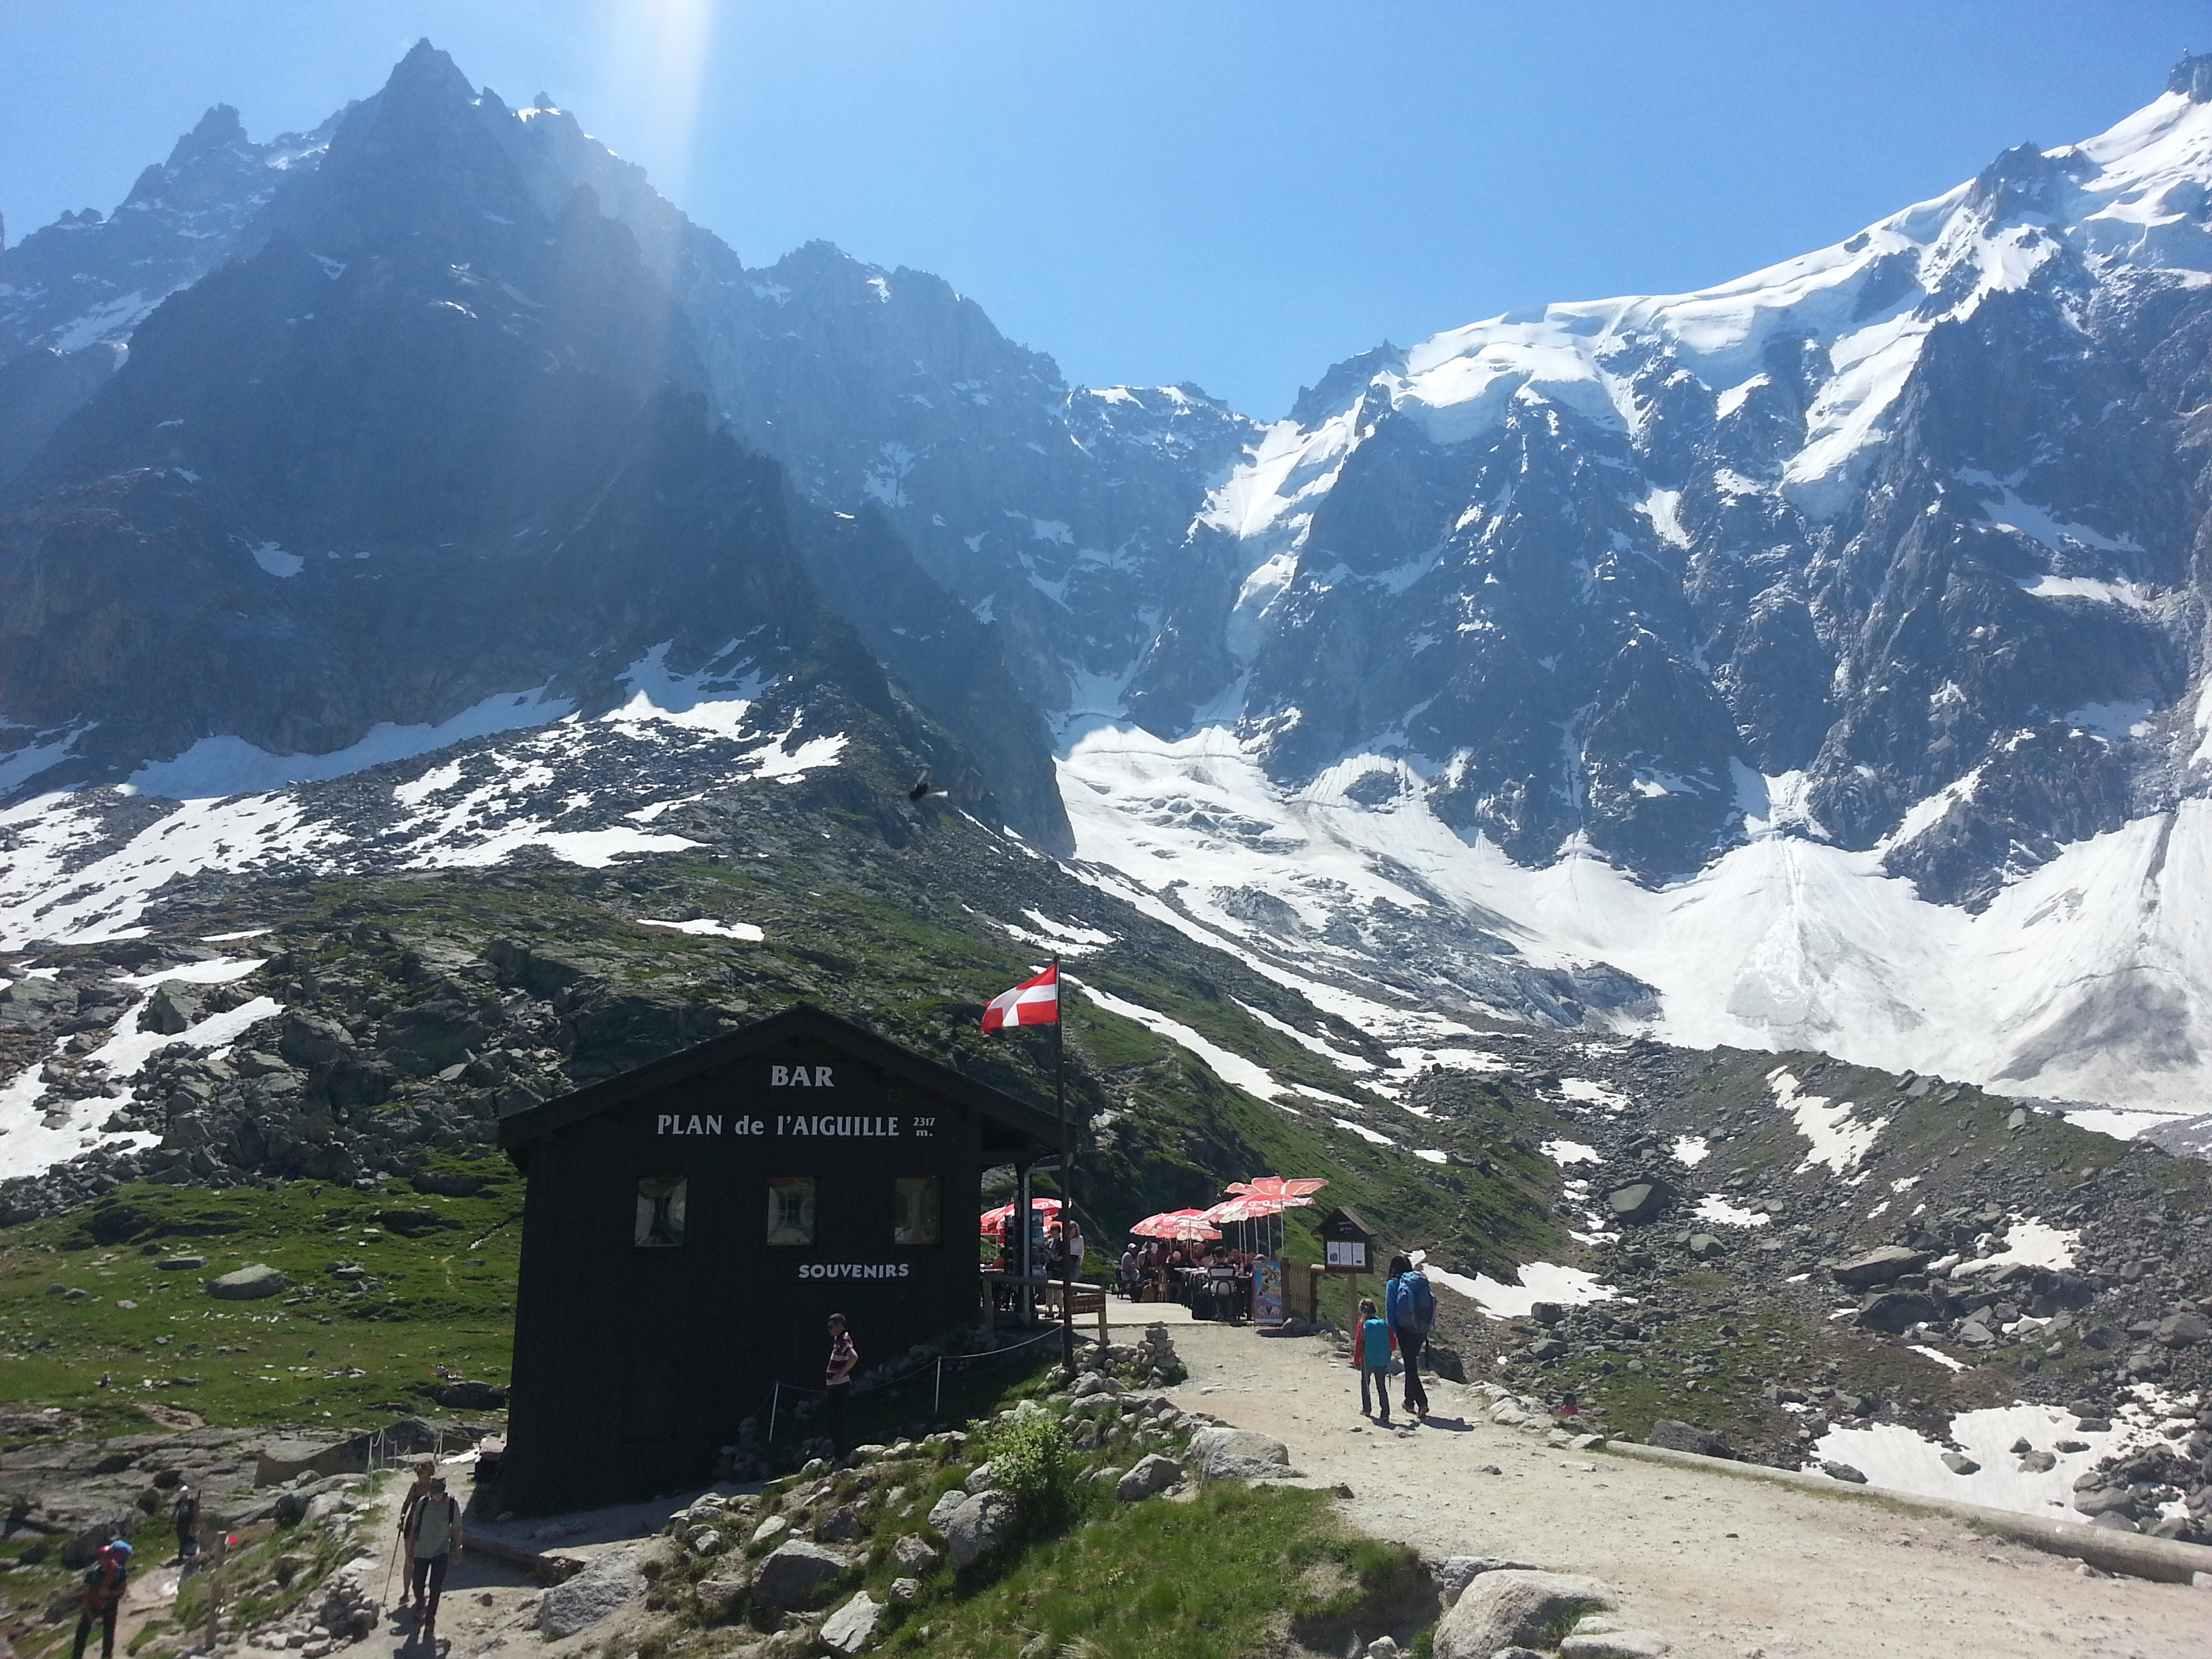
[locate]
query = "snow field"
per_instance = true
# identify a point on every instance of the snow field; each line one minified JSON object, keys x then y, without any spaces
{"x":1891,"y":1455}
{"x":29,"y":1144}
{"x":469,"y":811}
{"x":1540,"y":1281}
{"x":707,"y":927}
{"x":1783,"y":942}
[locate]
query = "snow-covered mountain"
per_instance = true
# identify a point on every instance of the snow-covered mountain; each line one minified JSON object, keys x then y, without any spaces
{"x":1823,"y":649}
{"x":1814,"y":660}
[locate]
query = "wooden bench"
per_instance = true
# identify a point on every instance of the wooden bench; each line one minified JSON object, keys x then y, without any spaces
{"x":1088,"y":1299}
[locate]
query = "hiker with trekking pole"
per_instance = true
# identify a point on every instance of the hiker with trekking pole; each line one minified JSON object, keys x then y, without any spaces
{"x":432,"y":1541}
{"x":425,"y":1472}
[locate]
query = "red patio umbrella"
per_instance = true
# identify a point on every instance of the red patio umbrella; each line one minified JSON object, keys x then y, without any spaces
{"x":1278,"y":1187}
{"x":994,"y":1221}
{"x":1176,"y":1223}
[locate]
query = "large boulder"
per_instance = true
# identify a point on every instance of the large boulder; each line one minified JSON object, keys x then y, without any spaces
{"x":173,"y":1007}
{"x":1863,"y":1273}
{"x":1895,"y":1312}
{"x":727,"y":1586}
{"x":249,"y":1284}
{"x":1240,"y":1455}
{"x":609,"y":1584}
{"x":915,"y":1554}
{"x":1152,"y":1475}
{"x":978,"y":1526}
{"x":2181,"y":1330}
{"x":32,"y":1005}
{"x":849,"y":1630}
{"x":279,"y":1462}
{"x":311,"y":1040}
{"x":1636,"y":1202}
{"x":1686,"y":1438}
{"x":796,"y":1573}
{"x":1509,"y":1608}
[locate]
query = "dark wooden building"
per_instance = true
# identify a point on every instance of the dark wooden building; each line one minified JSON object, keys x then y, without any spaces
{"x":691,"y":1226}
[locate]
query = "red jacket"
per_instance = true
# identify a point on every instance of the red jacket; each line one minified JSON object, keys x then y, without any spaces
{"x":104,"y":1584}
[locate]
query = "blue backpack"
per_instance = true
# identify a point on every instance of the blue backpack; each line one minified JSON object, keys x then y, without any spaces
{"x":1375,"y":1344}
{"x":1416,"y":1308}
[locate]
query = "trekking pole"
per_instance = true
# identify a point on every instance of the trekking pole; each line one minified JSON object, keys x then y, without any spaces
{"x":775,"y":1400}
{"x":937,"y":1394}
{"x":390,"y":1567}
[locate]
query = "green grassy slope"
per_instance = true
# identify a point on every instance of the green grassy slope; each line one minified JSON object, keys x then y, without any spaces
{"x":541,"y":975}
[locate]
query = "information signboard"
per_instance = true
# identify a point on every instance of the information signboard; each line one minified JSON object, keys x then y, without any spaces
{"x":1267,"y":1291}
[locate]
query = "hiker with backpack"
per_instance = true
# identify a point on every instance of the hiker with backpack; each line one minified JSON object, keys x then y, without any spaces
{"x":417,"y":1489}
{"x":433,"y":1540}
{"x":185,"y":1514}
{"x":1372,"y":1344}
{"x":105,"y":1584}
{"x":1411,"y":1308}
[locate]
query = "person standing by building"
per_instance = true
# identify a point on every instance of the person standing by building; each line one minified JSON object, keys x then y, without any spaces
{"x":1411,"y":1308}
{"x":105,"y":1583}
{"x":837,"y":1375}
{"x":433,"y":1541}
{"x":1072,"y":1246}
{"x":1371,"y":1347}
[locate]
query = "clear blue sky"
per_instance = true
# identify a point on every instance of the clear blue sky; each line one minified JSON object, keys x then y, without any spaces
{"x":1229,"y":191}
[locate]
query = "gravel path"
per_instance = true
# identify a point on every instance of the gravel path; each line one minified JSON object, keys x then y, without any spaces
{"x":1727,"y":1569}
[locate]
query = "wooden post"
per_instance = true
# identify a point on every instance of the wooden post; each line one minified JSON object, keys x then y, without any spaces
{"x":215,"y":1581}
{"x":1021,"y":1261}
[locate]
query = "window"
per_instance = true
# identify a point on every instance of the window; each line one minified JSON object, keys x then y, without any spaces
{"x":661,"y":1213}
{"x":791,"y":1210}
{"x":917,"y":1202}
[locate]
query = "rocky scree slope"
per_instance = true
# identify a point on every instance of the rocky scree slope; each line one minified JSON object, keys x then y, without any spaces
{"x":1801,"y":1246}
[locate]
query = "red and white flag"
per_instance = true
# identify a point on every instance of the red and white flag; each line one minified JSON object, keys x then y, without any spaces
{"x":1033,"y":1002}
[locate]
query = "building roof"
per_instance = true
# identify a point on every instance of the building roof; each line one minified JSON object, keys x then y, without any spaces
{"x":802,"y":1020}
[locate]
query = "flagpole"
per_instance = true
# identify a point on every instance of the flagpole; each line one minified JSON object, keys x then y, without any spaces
{"x":1066,"y":1170}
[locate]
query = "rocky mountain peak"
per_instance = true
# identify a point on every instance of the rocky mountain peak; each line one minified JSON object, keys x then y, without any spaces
{"x":218,"y":127}
{"x":1343,"y":382}
{"x":429,"y":74}
{"x":2192,"y":77}
{"x":2021,"y":180}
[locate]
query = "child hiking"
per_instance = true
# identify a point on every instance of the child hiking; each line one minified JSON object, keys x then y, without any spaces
{"x":1372,"y":1344}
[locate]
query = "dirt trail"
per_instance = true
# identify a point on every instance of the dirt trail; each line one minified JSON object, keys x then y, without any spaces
{"x":486,"y":1605}
{"x":1728,"y":1569}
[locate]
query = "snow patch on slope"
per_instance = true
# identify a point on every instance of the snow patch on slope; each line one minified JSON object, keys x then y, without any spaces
{"x":2089,"y":978}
